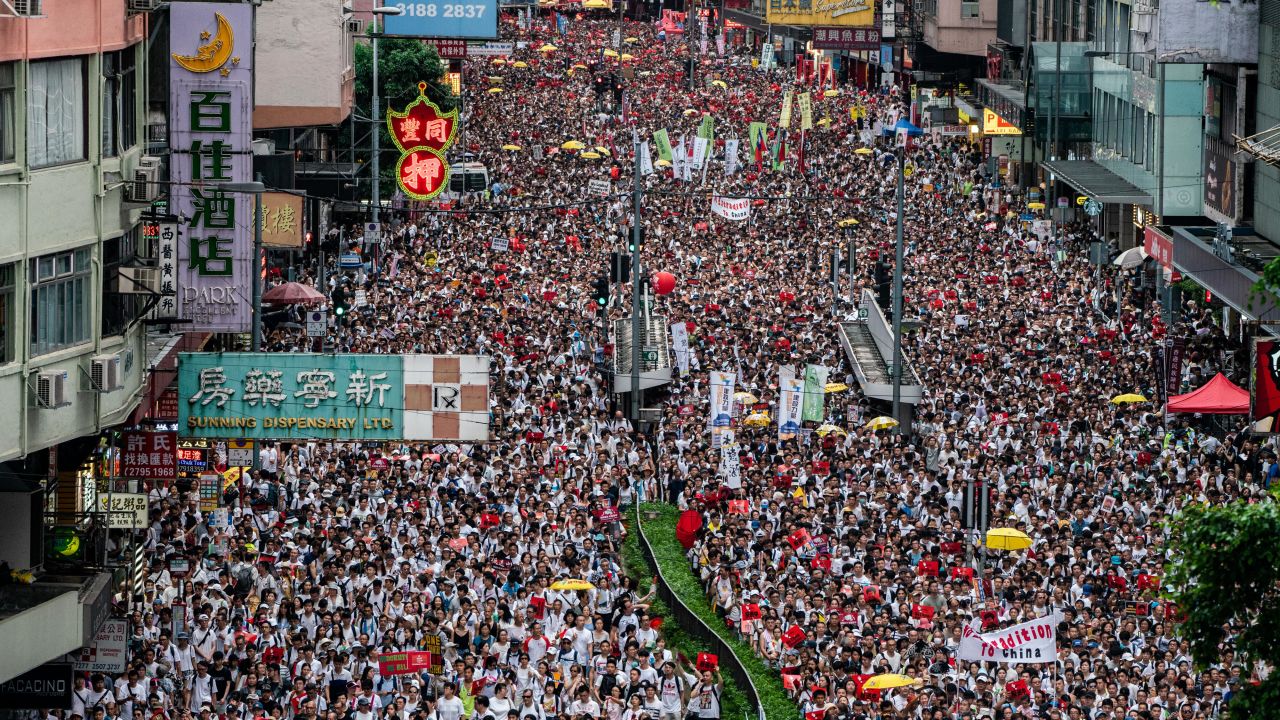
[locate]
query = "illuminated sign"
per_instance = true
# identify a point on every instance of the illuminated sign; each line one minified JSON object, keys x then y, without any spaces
{"x":843,"y":13}
{"x":993,"y":124}
{"x":423,"y":134}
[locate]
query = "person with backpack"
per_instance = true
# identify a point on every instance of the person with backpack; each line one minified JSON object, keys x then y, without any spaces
{"x":704,"y":698}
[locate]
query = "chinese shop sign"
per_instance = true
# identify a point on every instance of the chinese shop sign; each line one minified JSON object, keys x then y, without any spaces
{"x":282,"y":220}
{"x":149,"y":455}
{"x":210,"y":110}
{"x":163,"y":237}
{"x":305,"y":396}
{"x":423,"y":134}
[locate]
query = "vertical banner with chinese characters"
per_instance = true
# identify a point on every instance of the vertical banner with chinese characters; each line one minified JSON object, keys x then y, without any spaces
{"x":210,"y":123}
{"x":333,"y":397}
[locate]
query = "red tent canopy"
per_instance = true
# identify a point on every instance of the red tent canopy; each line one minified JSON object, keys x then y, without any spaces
{"x":1219,"y":396}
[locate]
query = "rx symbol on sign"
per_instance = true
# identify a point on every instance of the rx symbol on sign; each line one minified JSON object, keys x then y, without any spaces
{"x":446,"y":398}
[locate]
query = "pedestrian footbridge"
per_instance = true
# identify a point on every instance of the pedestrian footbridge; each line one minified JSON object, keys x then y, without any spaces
{"x":868,"y":343}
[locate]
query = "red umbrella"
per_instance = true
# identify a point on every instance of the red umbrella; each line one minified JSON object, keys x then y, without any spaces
{"x":292,"y":293}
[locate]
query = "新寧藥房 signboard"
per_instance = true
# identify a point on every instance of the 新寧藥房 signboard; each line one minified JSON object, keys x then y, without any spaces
{"x":333,"y":397}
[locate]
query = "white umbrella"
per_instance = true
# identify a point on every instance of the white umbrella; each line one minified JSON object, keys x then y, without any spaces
{"x":1131,"y":258}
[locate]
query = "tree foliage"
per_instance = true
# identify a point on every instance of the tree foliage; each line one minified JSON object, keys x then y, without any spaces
{"x":1224,"y":576}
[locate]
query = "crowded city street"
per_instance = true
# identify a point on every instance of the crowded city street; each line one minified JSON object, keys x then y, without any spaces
{"x":838,"y":543}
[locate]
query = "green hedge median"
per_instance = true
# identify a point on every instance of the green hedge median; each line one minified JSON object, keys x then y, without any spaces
{"x":670,"y":555}
{"x":734,"y":704}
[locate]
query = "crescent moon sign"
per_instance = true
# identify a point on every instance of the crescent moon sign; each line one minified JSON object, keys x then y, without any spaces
{"x":212,"y":55}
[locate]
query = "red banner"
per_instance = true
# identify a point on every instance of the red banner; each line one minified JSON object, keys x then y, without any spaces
{"x":403,"y":663}
{"x":1159,"y":246}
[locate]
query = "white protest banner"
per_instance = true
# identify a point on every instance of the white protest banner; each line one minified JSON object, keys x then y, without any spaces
{"x":789,"y":407}
{"x":730,"y":156}
{"x":500,"y":244}
{"x":646,"y":160}
{"x":699,"y":152}
{"x":731,"y":208}
{"x":680,"y":345}
{"x":721,"y":399}
{"x":720,"y":44}
{"x":1030,"y":642}
{"x":730,"y":469}
{"x":598,"y":187}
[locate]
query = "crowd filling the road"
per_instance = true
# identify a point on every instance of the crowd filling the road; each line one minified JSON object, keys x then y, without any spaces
{"x":334,"y":557}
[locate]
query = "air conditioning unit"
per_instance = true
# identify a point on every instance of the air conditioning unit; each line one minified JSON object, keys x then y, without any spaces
{"x":104,"y":373}
{"x":1142,"y":23}
{"x":28,"y":8}
{"x":149,"y":161}
{"x":355,"y":27}
{"x":52,"y":390}
{"x":138,"y":281}
{"x":145,"y":187}
{"x":141,"y":6}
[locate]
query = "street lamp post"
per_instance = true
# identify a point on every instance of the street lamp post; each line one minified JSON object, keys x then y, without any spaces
{"x":377,"y":131}
{"x":255,"y":274}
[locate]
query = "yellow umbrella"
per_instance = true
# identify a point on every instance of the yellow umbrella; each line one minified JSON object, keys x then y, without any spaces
{"x":497,"y":61}
{"x":511,"y":148}
{"x":589,"y":155}
{"x":1128,"y":398}
{"x":824,"y":122}
{"x":835,"y":387}
{"x":627,"y":58}
{"x":888,"y":681}
{"x":572,"y":584}
{"x":520,"y":64}
{"x":602,"y":150}
{"x":864,"y":151}
{"x":825,"y":430}
{"x":579,"y":66}
{"x":1035,"y":206}
{"x":720,"y":84}
{"x":745,"y":398}
{"x":1007,"y":539}
{"x":847,"y":222}
{"x":662,"y":163}
{"x":756,"y":420}
{"x":611,"y":52}
{"x":548,"y":48}
{"x":595,"y":5}
{"x":572,"y":145}
{"x":495,"y":90}
{"x":690,"y":111}
{"x":884,"y":422}
{"x":631,"y":40}
{"x":831,"y":93}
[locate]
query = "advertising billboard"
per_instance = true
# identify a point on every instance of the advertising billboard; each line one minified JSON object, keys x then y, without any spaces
{"x":1264,"y":390}
{"x":840,"y":13}
{"x":1219,"y":177}
{"x":305,"y":396}
{"x":1195,"y":31}
{"x":210,"y":133}
{"x":472,"y":19}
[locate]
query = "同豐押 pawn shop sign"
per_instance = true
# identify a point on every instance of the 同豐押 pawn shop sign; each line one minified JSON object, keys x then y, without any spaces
{"x":303,"y":396}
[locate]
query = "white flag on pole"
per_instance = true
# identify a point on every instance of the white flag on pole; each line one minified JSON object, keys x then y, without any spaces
{"x":730,"y":156}
{"x":646,"y":161}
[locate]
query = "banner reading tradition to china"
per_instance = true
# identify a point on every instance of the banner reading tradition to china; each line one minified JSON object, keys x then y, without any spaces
{"x":1030,"y":642}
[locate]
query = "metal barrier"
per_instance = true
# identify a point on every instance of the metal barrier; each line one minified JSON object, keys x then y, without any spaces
{"x":692,"y":624}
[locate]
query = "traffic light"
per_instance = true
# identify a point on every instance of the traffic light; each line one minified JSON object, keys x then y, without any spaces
{"x":339,"y":304}
{"x":631,"y":241}
{"x":600,"y":291}
{"x":619,"y":267}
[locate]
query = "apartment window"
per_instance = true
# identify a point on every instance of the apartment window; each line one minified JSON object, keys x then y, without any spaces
{"x":7,"y":287}
{"x":119,"y":102}
{"x":1139,"y":136}
{"x":8,"y":105}
{"x":60,"y":301}
{"x":56,"y":112}
{"x":119,"y":310}
{"x":968,"y":9}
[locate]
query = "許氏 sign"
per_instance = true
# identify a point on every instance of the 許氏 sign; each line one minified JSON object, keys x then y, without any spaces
{"x":148,"y":455}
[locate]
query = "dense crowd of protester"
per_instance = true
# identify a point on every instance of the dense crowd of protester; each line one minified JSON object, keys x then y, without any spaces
{"x":337,"y":553}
